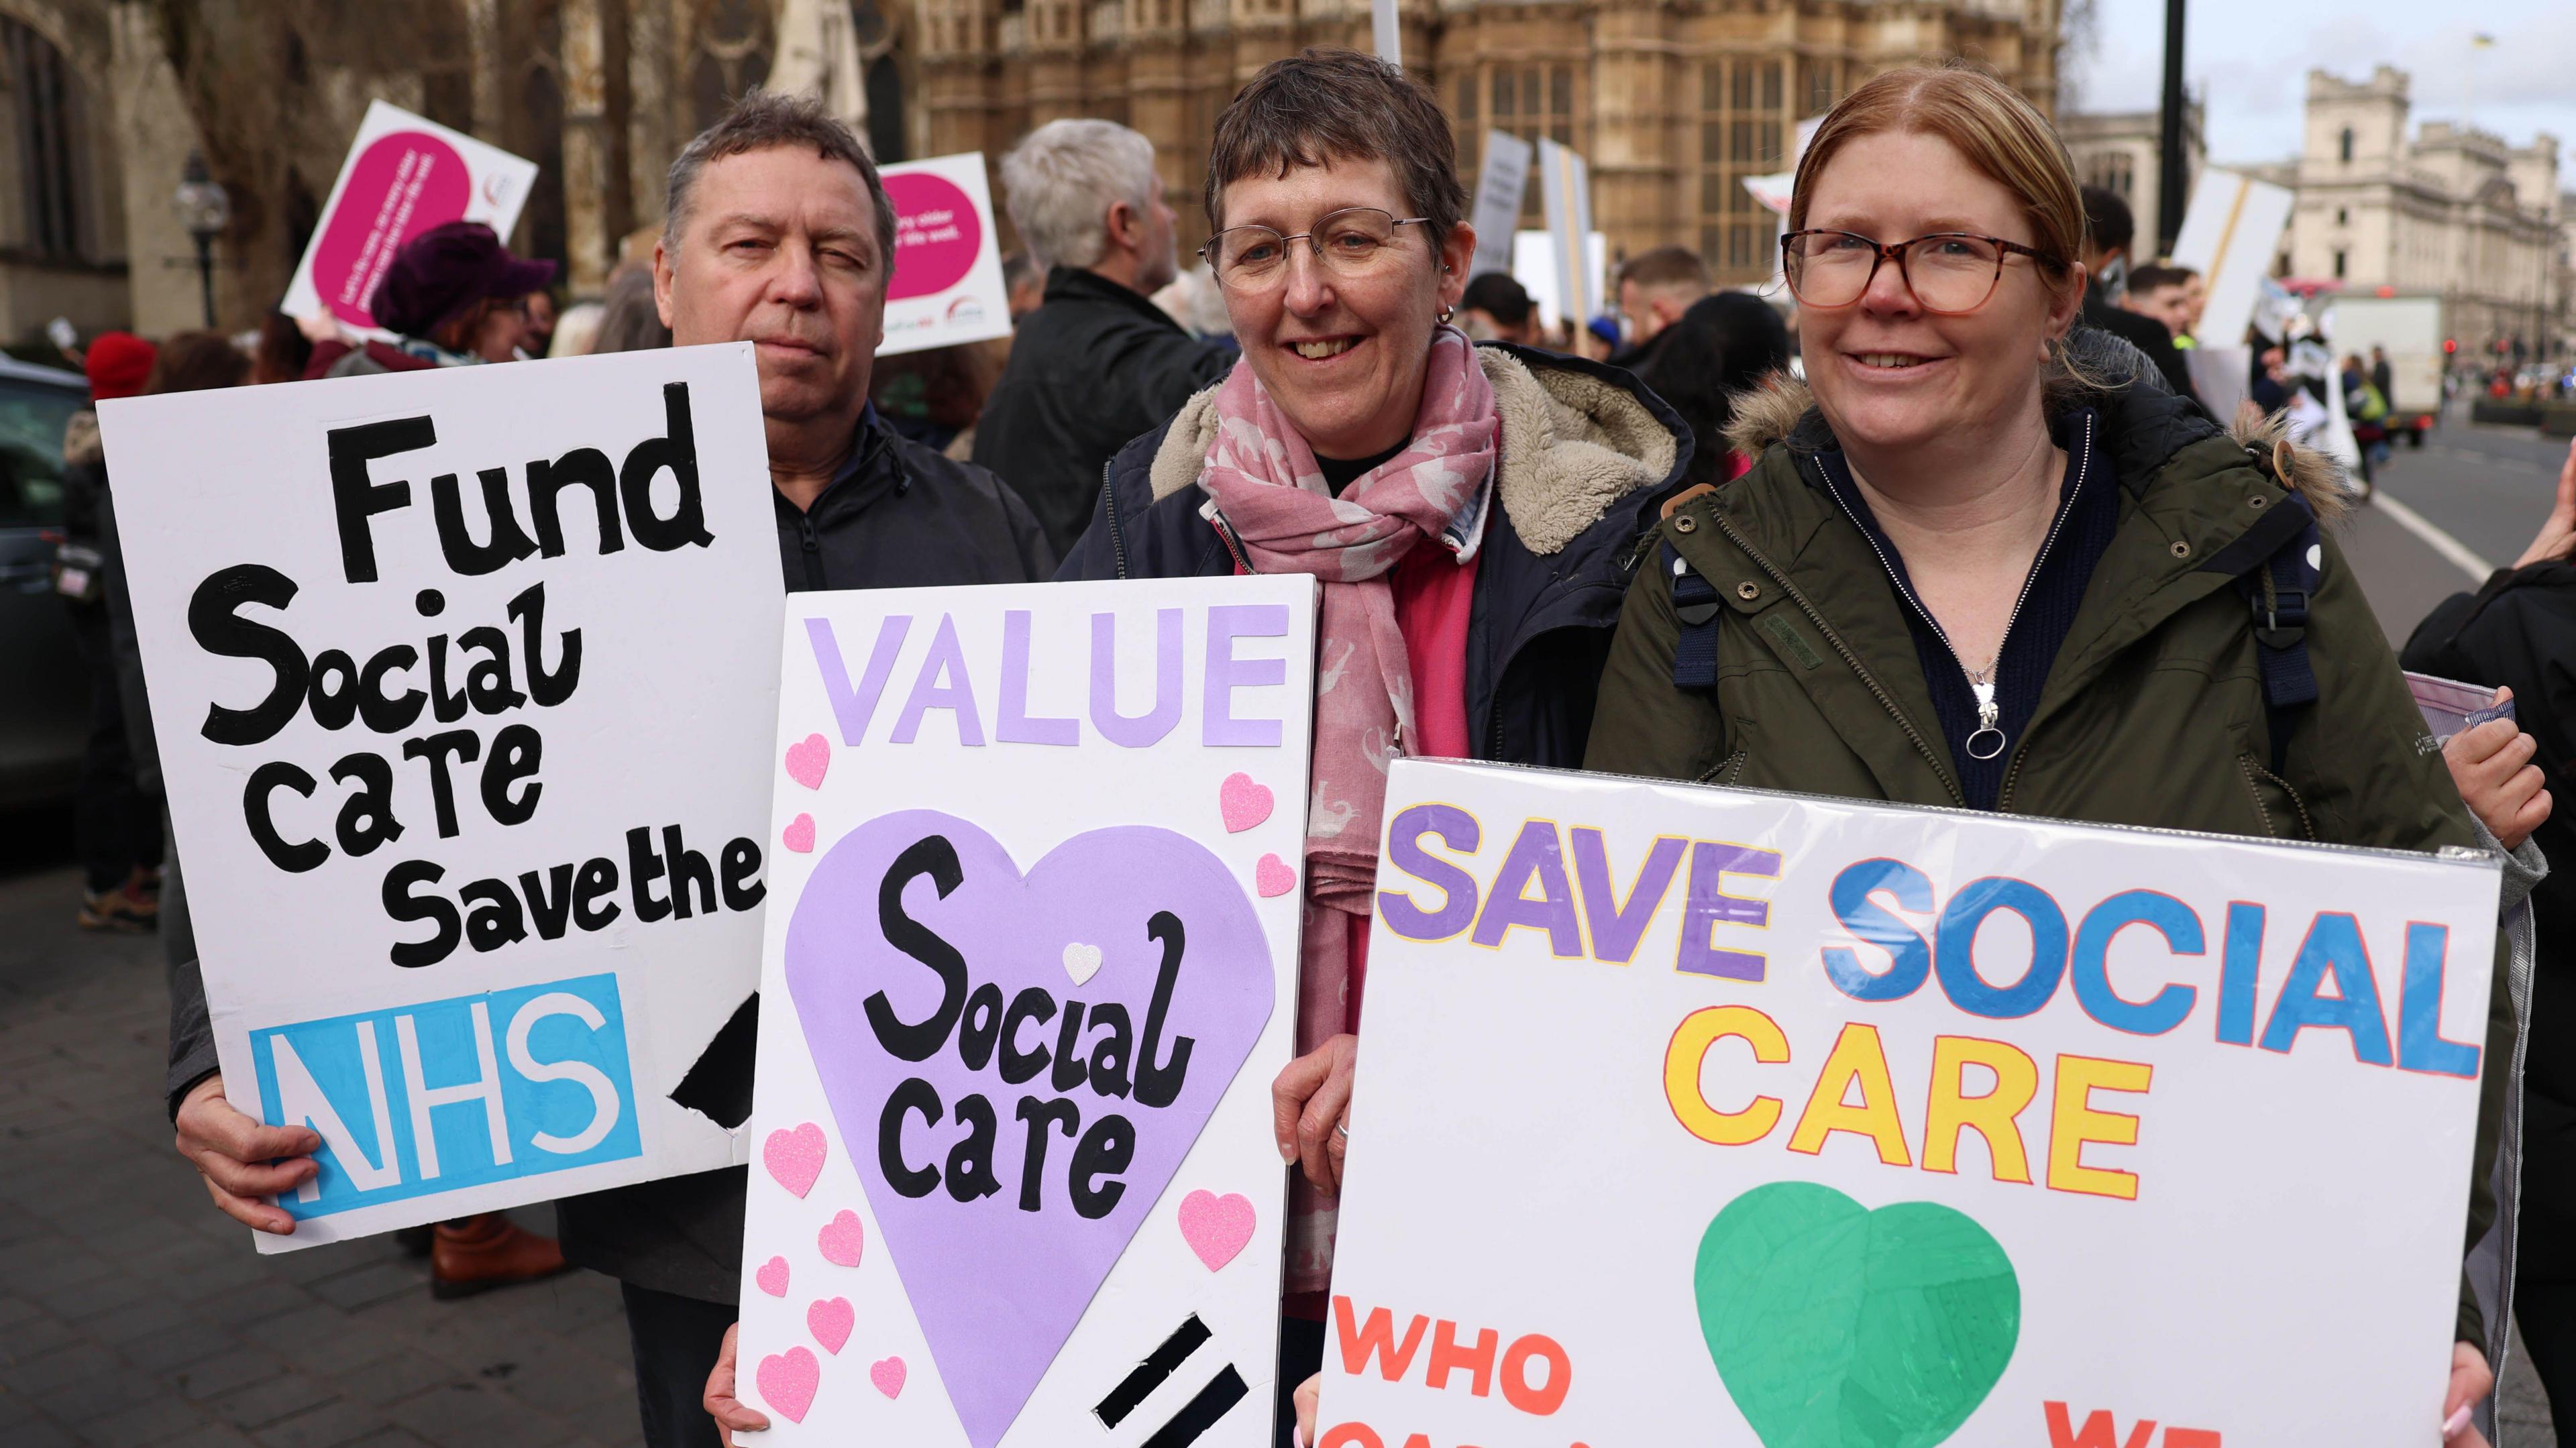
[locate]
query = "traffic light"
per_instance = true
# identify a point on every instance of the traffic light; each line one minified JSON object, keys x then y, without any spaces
{"x":2450,"y":346}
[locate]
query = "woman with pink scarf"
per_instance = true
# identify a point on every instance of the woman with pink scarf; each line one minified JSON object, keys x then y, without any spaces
{"x":1472,"y":511}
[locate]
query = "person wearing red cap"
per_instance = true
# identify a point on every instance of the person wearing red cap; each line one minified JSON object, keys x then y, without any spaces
{"x":116,"y":824}
{"x":454,"y":296}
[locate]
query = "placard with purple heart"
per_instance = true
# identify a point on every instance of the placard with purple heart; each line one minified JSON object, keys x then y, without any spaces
{"x":1029,"y":973}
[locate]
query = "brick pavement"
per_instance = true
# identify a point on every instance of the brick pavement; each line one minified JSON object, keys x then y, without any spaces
{"x":132,"y":1313}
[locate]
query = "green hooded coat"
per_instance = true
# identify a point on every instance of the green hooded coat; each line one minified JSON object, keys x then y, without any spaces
{"x":2153,"y":713}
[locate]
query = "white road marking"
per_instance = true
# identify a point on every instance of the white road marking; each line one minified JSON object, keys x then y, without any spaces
{"x":2457,"y":553}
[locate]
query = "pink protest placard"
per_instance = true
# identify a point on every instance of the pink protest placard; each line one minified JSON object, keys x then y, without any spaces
{"x":947,"y":285}
{"x":404,"y":174}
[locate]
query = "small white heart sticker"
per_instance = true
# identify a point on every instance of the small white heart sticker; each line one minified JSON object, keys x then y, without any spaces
{"x":1082,"y":962}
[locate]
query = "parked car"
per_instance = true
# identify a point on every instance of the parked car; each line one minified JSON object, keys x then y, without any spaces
{"x":44,"y":690}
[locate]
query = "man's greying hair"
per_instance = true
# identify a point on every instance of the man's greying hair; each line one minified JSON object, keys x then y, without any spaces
{"x":1339,"y":105}
{"x":761,"y":121}
{"x":1061,"y":179}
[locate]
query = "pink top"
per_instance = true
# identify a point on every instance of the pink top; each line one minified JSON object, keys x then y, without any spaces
{"x":1435,"y":596}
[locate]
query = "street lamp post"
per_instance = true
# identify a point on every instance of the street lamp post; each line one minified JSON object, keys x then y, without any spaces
{"x":2173,"y":163}
{"x":204,"y":210}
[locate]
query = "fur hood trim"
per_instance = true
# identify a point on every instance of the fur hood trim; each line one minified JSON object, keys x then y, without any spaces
{"x":1782,"y":410}
{"x":1572,"y":445}
{"x":2311,"y":474}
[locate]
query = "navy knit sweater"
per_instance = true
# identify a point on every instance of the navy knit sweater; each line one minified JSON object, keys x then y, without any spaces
{"x":2088,"y":513}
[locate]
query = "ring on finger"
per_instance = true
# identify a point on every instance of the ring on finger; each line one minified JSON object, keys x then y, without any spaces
{"x":1342,"y":1128}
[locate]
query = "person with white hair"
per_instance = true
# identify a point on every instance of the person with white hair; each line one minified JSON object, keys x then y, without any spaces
{"x":1097,"y":363}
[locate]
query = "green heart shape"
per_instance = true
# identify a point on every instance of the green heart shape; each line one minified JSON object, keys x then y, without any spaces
{"x":1833,"y":1326}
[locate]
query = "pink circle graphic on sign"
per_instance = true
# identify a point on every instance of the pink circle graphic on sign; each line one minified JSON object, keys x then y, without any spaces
{"x":936,"y":234}
{"x":403,"y":184}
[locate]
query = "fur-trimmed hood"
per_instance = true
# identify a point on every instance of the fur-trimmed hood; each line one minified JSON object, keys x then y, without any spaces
{"x":2146,"y":422}
{"x":1573,"y":443}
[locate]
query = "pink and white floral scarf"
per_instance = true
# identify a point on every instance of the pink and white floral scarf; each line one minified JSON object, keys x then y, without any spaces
{"x":1271,"y":493}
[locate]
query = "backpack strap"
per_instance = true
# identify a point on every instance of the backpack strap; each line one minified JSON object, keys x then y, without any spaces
{"x":1695,"y":601}
{"x":2278,"y":589}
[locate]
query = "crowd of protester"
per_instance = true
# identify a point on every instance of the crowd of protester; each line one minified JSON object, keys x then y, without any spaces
{"x":1327,"y":390}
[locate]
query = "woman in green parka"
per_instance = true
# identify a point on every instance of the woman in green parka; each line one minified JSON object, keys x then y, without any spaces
{"x":1980,"y":567}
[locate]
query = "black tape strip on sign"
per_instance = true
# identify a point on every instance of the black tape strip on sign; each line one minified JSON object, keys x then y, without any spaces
{"x":1222,"y":1392}
{"x":1152,"y":1373}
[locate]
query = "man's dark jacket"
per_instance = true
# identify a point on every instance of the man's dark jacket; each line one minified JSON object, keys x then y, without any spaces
{"x":1094,"y":366}
{"x":2144,"y":333}
{"x":2520,"y":631}
{"x":898,"y":515}
{"x":1540,"y":623}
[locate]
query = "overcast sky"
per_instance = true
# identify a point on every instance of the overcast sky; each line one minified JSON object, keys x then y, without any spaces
{"x":2251,"y":58}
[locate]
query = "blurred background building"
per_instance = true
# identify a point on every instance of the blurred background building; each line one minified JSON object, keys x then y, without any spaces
{"x":1674,"y":102}
{"x":2448,"y":209}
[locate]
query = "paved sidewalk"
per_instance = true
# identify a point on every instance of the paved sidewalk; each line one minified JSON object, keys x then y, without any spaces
{"x":132,"y":1313}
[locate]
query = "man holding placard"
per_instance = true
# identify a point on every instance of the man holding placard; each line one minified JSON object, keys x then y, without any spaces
{"x":780,"y":235}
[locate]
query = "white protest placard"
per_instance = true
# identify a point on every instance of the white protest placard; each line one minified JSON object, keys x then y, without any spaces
{"x":463,"y":723}
{"x":1565,"y":192}
{"x":947,"y":282}
{"x":404,"y":174}
{"x":2229,"y":236}
{"x":1800,"y":1121}
{"x":1386,"y":31}
{"x":1500,"y":184}
{"x":1030,"y":972}
{"x":1534,"y":257}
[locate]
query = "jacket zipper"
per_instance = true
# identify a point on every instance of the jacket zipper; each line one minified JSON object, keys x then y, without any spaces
{"x":1852,"y":659}
{"x":1109,"y":513}
{"x":1989,"y":713}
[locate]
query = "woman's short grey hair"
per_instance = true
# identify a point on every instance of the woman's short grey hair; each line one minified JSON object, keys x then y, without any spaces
{"x":1324,"y":105}
{"x":1060,"y":181}
{"x":764,"y":120}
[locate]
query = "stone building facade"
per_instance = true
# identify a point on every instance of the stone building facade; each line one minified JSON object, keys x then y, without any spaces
{"x":1674,"y":102}
{"x":102,"y":102}
{"x":2121,"y":150}
{"x":2450,"y":209}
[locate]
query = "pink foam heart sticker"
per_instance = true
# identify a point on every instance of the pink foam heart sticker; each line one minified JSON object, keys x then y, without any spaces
{"x":841,"y":1239}
{"x":772,"y":1277}
{"x":788,"y":1380}
{"x":1216,"y":1227}
{"x":887,"y":1374}
{"x":794,"y":1155}
{"x":1242,"y":803}
{"x":830,"y":1321}
{"x":1273,"y":878}
{"x":807,"y":760}
{"x":799,"y":834}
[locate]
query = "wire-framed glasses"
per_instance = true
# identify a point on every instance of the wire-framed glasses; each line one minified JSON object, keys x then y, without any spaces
{"x":1949,"y":272}
{"x":1348,"y":243}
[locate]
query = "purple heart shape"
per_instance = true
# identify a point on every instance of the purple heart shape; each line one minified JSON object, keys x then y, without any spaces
{"x":998,"y":1288}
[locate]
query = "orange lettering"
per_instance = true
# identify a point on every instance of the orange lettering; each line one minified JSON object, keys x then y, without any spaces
{"x":1378,"y":1338}
{"x":2100,"y":1430}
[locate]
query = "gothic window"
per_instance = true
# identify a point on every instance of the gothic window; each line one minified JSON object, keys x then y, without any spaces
{"x":734,"y":48}
{"x":2346,"y":144}
{"x":47,"y":113}
{"x":1533,"y":102}
{"x":878,"y":28}
{"x":1746,"y":111}
{"x":2113,"y":171}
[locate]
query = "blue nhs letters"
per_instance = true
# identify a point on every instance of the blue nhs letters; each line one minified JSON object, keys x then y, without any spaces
{"x":429,"y":1098}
